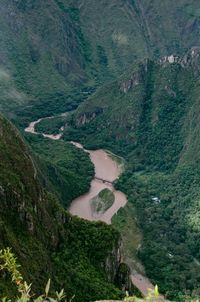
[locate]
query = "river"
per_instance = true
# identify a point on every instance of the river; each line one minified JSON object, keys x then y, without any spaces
{"x":107,"y":170}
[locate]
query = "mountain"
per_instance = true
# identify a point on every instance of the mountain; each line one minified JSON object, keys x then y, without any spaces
{"x":100,"y":61}
{"x":83,"y":258}
{"x":150,"y":116}
{"x":145,"y":114}
{"x":49,"y":50}
{"x":41,"y":52}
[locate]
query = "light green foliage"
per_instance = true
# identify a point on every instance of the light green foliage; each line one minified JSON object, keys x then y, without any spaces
{"x":8,"y":263}
{"x":102,"y":202}
{"x":152,"y":296}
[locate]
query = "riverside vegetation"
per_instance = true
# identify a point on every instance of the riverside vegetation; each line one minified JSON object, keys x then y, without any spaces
{"x":48,"y":241}
{"x":103,"y":201}
{"x":157,"y":109}
{"x":54,"y":58}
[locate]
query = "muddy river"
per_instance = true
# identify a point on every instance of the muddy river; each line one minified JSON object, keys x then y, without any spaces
{"x":106,"y":171}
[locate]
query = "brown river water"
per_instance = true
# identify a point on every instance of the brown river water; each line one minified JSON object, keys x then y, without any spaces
{"x":106,"y":171}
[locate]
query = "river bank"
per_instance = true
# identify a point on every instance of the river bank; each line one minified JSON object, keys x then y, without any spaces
{"x":107,"y":170}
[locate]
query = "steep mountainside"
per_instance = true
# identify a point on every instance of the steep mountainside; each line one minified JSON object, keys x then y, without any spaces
{"x":42,"y":51}
{"x":145,"y":114}
{"x":52,"y":48}
{"x":53,"y":55}
{"x":133,"y":29}
{"x":151,"y":117}
{"x":82,"y":257}
{"x":64,"y":170}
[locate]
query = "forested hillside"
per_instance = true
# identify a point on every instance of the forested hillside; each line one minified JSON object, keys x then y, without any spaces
{"x":150,"y":116}
{"x":127,"y":74}
{"x":51,"y":49}
{"x":81,"y":257}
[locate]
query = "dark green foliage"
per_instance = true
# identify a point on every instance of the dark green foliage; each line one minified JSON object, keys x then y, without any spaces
{"x":49,"y":105}
{"x":74,"y":14}
{"x":66,"y":170}
{"x":50,"y":50}
{"x":65,"y":45}
{"x":151,"y":117}
{"x":46,"y":239}
{"x":51,"y":126}
{"x":170,"y":226}
{"x":82,"y":263}
{"x":103,"y":60}
{"x":141,"y":116}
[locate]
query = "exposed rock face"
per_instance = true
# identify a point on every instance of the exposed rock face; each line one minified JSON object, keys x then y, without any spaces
{"x":131,"y":83}
{"x":113,"y":261}
{"x":190,"y":58}
{"x":117,"y":271}
{"x":88,"y":116}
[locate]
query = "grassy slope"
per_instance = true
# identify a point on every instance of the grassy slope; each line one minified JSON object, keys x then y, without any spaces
{"x":47,"y":241}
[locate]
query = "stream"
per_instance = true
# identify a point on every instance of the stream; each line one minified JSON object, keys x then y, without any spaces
{"x":107,"y":171}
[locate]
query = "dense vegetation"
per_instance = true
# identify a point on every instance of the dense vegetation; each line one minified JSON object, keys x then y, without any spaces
{"x":46,"y":239}
{"x":166,"y":207}
{"x":51,"y":127}
{"x":62,"y":46}
{"x":102,"y":202}
{"x":142,"y":116}
{"x":52,"y":58}
{"x":65,"y":170}
{"x":151,"y":117}
{"x":9,"y":264}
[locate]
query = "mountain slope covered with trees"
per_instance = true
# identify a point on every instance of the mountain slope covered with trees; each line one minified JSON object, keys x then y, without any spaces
{"x":81,"y":257}
{"x":49,"y":50}
{"x":123,"y":71}
{"x":150,"y":116}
